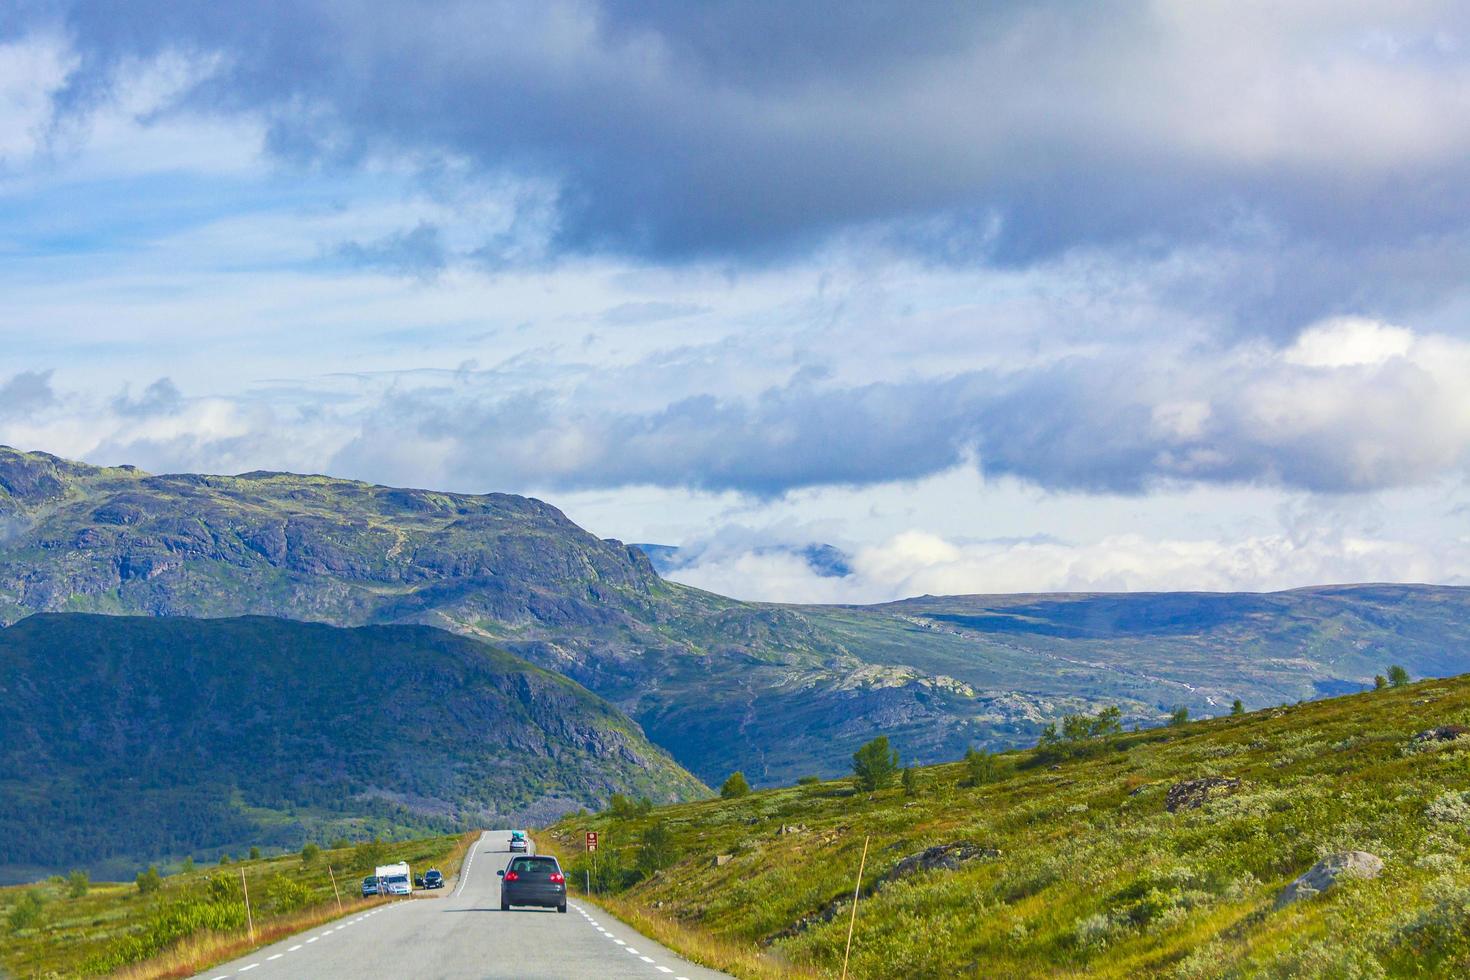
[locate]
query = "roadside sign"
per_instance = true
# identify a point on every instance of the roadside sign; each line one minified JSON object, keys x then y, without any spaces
{"x":591,"y":841}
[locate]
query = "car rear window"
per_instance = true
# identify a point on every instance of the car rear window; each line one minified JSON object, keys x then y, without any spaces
{"x":535,"y":865}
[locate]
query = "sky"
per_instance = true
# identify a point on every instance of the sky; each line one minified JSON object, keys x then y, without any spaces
{"x":990,"y":297}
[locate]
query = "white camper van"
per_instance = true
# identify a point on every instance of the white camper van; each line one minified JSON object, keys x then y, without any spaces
{"x":394,"y":879}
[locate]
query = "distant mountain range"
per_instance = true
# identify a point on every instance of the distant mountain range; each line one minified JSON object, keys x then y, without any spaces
{"x":130,"y":739}
{"x":775,"y":690}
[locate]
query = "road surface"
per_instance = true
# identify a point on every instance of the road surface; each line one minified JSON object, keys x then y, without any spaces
{"x":461,"y":933}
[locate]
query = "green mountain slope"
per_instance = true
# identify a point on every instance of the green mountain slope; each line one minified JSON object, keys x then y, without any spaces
{"x":131,"y":739}
{"x":1115,"y":859}
{"x":774,"y":690}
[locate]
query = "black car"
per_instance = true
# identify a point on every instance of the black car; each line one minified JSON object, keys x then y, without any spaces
{"x":369,"y":886}
{"x":533,"y":881}
{"x":433,"y":878}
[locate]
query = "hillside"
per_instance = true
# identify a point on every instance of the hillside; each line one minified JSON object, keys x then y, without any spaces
{"x":777,"y":691}
{"x":1104,"y":858}
{"x":132,"y":739}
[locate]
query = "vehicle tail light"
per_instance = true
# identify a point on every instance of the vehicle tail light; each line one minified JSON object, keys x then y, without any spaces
{"x":512,"y":876}
{"x":557,"y":878}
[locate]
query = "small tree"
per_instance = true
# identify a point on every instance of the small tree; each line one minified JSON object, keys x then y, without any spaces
{"x":1379,"y":682}
{"x":910,"y":782}
{"x":658,"y":849}
{"x":224,"y":859}
{"x":808,"y":780}
{"x":26,"y":912}
{"x":980,"y":767}
{"x":188,"y":864}
{"x":255,"y":854}
{"x":735,"y":786}
{"x":77,"y":884}
{"x":149,"y":881}
{"x":310,"y":854}
{"x":875,"y":764}
{"x":1397,"y":676}
{"x":1237,"y":707}
{"x":1179,"y":716}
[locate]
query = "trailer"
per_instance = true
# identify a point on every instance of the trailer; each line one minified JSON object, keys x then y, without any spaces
{"x":395,"y":879}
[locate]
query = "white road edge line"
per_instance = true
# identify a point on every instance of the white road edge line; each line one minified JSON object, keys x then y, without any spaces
{"x":464,"y":872}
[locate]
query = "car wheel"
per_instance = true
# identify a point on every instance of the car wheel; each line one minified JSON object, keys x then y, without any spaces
{"x":504,"y":906}
{"x":561,"y":908}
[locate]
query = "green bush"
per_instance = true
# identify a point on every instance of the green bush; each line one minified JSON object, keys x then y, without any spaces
{"x":1237,"y":707}
{"x":910,"y":782}
{"x":1397,"y":676}
{"x":26,"y":912}
{"x":255,"y":854}
{"x":1179,"y":716}
{"x":77,"y":884}
{"x":149,"y":881}
{"x":658,"y":849}
{"x":875,"y":764}
{"x":734,"y":786}
{"x":310,"y":854}
{"x":980,"y":767}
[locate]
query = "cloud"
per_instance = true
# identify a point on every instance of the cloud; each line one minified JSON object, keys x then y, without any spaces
{"x":729,"y":128}
{"x":26,"y":393}
{"x":162,"y":397}
{"x":420,"y":252}
{"x":1352,"y":406}
{"x":918,"y":562}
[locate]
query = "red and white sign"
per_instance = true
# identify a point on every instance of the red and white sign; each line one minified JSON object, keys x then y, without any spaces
{"x":591,"y":840}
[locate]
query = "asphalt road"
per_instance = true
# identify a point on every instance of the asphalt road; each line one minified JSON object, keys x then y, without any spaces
{"x":461,"y":933}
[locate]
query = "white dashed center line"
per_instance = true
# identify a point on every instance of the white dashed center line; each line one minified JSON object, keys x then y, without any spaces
{"x":250,"y":967}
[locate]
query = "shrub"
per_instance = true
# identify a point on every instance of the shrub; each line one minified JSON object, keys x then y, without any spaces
{"x":1079,"y":733}
{"x":310,"y":854}
{"x":255,"y":854}
{"x":224,"y":859}
{"x":149,"y":881}
{"x":980,"y":767}
{"x":1179,"y":716}
{"x":188,"y":864}
{"x":910,"y":782}
{"x":875,"y":764}
{"x":1379,"y":682}
{"x":1397,"y":676}
{"x":1450,"y":807}
{"x":77,"y":884}
{"x":734,"y":786}
{"x":27,"y":911}
{"x":659,"y":850}
{"x":809,"y":780}
{"x":1237,"y":707}
{"x":283,"y":894}
{"x":621,"y":806}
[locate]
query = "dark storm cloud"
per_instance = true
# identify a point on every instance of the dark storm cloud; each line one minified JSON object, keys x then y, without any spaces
{"x":1005,"y":132}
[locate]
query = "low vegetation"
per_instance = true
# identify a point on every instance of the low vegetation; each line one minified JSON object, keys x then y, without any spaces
{"x":1100,"y":853}
{"x":174,"y":926}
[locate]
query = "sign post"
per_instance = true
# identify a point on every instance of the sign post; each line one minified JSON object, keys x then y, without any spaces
{"x":591,"y":849}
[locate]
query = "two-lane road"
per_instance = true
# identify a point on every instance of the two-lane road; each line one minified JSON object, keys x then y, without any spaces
{"x":463,"y":934}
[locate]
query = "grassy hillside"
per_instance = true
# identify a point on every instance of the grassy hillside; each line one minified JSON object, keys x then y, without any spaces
{"x":194,"y":918}
{"x":136,"y":739}
{"x":1081,"y":864}
{"x":777,"y":691}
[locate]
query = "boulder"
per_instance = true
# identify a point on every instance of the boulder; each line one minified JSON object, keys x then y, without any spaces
{"x":947,"y":857}
{"x":1193,"y":793}
{"x":1444,"y":733}
{"x":1328,"y":872}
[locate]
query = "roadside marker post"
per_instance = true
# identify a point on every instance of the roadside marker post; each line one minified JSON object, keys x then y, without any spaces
{"x":855,"y":890}
{"x":334,"y":887}
{"x":591,"y":849}
{"x":249,"y":919}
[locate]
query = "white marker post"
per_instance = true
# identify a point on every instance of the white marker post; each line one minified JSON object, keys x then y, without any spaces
{"x":855,"y":890}
{"x":334,"y":887}
{"x":249,"y":919}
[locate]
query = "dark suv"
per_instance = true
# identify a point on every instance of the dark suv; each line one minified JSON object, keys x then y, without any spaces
{"x":434,"y":878}
{"x":533,"y":881}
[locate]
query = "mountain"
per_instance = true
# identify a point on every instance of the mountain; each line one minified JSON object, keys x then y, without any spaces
{"x":1165,"y":853}
{"x":133,"y":739}
{"x":775,"y":690}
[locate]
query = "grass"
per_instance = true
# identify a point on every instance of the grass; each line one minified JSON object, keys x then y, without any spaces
{"x":1084,"y":869}
{"x":196,"y":918}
